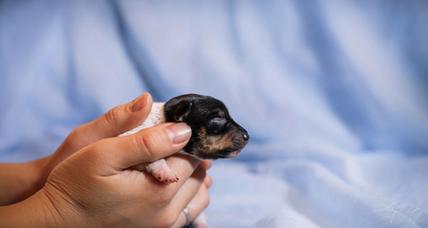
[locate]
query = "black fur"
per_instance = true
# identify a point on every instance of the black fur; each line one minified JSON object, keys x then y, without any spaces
{"x":214,"y":133}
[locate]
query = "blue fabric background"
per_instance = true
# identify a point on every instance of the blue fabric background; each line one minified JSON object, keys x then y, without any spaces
{"x":333,"y":93}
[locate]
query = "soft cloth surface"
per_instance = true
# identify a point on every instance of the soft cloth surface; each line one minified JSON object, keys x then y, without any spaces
{"x":334,"y":94}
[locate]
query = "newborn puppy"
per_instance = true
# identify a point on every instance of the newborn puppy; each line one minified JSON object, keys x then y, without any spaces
{"x":214,"y":133}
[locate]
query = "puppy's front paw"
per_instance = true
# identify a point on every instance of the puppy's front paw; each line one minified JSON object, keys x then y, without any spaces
{"x":161,"y":171}
{"x":165,"y":176}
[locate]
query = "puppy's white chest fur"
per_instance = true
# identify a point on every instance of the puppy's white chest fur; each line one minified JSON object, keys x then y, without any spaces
{"x":159,"y":169}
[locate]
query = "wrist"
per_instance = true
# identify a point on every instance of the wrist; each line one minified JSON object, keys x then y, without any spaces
{"x":18,"y":181}
{"x":45,"y":208}
{"x":60,"y":210}
{"x":39,"y":171}
{"x":31,"y":212}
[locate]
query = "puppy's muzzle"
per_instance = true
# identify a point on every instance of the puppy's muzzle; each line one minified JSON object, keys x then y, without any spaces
{"x":240,"y":139}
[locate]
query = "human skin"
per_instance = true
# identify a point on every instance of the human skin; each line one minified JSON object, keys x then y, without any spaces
{"x":88,"y":181}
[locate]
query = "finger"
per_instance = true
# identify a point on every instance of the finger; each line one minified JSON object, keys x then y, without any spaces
{"x":206,"y":164}
{"x":147,"y":145}
{"x":117,"y":120}
{"x":196,"y":206}
{"x":208,"y":181}
{"x":187,"y":191}
{"x":183,"y":166}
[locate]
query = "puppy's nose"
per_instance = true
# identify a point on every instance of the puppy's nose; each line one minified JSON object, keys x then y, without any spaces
{"x":245,"y":136}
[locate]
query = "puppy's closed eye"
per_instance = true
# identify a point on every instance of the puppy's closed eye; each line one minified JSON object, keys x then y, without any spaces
{"x":216,"y":125}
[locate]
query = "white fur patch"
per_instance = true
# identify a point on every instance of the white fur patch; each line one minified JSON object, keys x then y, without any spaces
{"x":155,"y":117}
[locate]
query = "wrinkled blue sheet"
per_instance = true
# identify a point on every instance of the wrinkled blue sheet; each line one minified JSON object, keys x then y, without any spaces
{"x":333,"y":93}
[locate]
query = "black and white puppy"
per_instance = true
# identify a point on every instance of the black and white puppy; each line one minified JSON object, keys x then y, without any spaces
{"x":214,"y":133}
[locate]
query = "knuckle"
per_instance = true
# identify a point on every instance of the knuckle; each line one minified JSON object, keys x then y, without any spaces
{"x":75,"y":133}
{"x":142,"y":144}
{"x":74,"y":137}
{"x":95,"y":151}
{"x":112,"y":116}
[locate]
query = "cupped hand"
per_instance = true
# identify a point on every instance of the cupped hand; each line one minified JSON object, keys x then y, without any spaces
{"x":89,"y":180}
{"x":96,"y":187}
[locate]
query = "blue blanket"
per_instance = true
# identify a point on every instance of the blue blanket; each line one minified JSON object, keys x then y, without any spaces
{"x":333,"y":93}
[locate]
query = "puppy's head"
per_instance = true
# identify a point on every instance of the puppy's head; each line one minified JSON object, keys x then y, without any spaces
{"x":214,"y":133}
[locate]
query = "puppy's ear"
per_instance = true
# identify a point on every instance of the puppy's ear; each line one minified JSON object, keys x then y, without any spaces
{"x":178,"y":109}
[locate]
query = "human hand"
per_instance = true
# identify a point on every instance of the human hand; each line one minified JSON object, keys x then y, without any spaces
{"x":20,"y":180}
{"x":116,"y":121}
{"x":95,"y":186}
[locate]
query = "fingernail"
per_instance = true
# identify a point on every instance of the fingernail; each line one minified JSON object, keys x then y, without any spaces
{"x":179,"y":132}
{"x":139,"y":103}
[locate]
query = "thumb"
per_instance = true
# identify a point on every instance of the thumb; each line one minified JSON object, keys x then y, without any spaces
{"x":114,"y":122}
{"x":147,"y":145}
